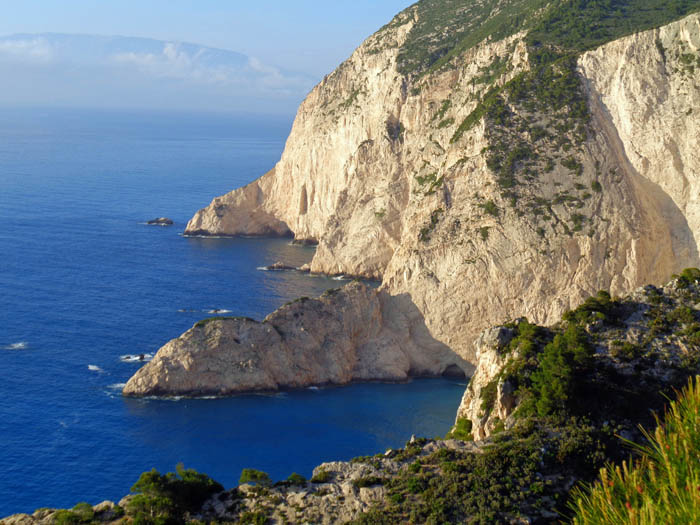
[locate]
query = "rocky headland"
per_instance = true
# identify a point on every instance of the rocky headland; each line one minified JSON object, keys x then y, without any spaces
{"x":514,"y":177}
{"x":348,"y":334}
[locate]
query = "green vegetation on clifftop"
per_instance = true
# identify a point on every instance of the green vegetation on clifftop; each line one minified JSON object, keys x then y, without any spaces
{"x":446,"y":28}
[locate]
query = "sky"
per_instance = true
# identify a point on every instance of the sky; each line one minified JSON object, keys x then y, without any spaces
{"x":302,"y":39}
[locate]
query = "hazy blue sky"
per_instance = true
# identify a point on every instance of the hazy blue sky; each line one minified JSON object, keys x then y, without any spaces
{"x":311,"y":36}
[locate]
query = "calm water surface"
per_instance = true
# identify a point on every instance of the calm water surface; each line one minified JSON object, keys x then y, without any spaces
{"x":84,"y":282}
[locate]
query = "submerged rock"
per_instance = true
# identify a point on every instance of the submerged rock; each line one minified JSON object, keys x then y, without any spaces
{"x":279,"y":266}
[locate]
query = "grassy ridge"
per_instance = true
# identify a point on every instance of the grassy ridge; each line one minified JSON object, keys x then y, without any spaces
{"x":663,"y":486}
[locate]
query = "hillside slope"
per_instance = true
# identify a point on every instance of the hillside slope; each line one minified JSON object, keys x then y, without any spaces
{"x":488,"y":171}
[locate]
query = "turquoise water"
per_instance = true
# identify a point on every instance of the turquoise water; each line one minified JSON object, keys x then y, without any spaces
{"x":84,"y":282}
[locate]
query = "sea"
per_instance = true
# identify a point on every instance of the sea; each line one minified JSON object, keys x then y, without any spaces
{"x":86,"y":285}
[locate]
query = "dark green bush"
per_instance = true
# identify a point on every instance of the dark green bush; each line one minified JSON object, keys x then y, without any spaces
{"x":462,"y":430}
{"x":321,"y":476}
{"x":253,"y":518}
{"x":296,"y":479}
{"x":66,"y":517}
{"x":257,"y":477}
{"x":688,"y":276}
{"x":368,"y":481}
{"x":166,"y":498}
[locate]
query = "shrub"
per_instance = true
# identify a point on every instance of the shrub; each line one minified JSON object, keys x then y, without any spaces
{"x":553,"y":381}
{"x":253,"y":518}
{"x":490,"y":208}
{"x":484,"y":233}
{"x":296,"y":479}
{"x":65,"y":517}
{"x":488,"y":395}
{"x":598,"y":307}
{"x":321,"y":476}
{"x":662,"y":486}
{"x":624,"y":350}
{"x":167,"y":498}
{"x":462,"y":430}
{"x":688,"y":276}
{"x":258,"y":477}
{"x":367,"y":481}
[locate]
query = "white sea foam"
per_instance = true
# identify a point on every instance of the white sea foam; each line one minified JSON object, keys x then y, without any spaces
{"x":21,"y":345}
{"x":263,"y":269}
{"x":136,"y":358}
{"x":117,"y":386}
{"x":94,"y":368}
{"x":339,"y":278}
{"x":314,"y":388}
{"x":218,"y":311}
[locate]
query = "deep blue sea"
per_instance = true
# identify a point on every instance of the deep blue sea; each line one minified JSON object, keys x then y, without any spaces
{"x":83,"y":282}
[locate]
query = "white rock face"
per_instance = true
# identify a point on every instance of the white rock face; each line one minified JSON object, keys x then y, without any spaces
{"x":376,"y":173}
{"x":648,"y":86}
{"x":491,"y":358}
{"x":347,"y":335}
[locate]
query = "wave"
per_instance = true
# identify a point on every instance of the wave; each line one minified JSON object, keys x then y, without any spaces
{"x":315,"y":388}
{"x":117,"y":386}
{"x":217,"y":311}
{"x":94,"y":368}
{"x":21,"y":345}
{"x":136,"y":358}
{"x":340,"y":278}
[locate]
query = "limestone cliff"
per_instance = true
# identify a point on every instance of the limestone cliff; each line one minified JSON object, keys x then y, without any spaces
{"x":480,"y":192}
{"x":345,"y":335}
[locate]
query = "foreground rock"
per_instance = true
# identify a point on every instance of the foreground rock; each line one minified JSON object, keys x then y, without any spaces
{"x":350,"y":334}
{"x":648,"y":340}
{"x":160,"y":221}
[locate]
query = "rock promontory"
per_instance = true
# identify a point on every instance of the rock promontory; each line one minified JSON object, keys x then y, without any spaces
{"x":355,"y":333}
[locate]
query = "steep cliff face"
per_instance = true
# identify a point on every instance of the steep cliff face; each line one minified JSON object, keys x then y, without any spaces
{"x":478,"y":208}
{"x":345,"y":335}
{"x":647,"y":85}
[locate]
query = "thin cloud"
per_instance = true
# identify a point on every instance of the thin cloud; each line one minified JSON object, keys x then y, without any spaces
{"x":176,"y":62}
{"x":34,"y":50}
